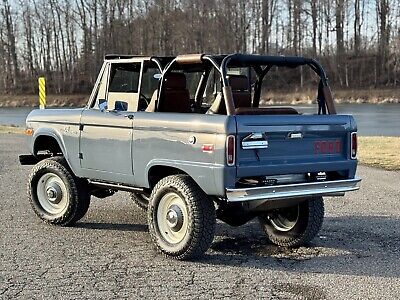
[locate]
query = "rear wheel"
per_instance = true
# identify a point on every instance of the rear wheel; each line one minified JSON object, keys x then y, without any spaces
{"x":140,"y":200}
{"x":55,"y":194}
{"x":294,"y":226}
{"x":181,"y":218}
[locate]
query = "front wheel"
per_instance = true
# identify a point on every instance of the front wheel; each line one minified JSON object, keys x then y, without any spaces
{"x":294,"y":226}
{"x":55,"y":194}
{"x":181,"y":218}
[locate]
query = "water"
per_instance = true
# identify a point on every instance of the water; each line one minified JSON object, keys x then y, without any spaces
{"x":372,"y":119}
{"x":14,"y":116}
{"x":383,"y":119}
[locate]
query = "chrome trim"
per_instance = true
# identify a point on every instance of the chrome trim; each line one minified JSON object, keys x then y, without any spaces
{"x":351,"y":145}
{"x":295,"y":135}
{"x":255,"y":140}
{"x":254,"y":145}
{"x":116,"y":186}
{"x":297,"y":190}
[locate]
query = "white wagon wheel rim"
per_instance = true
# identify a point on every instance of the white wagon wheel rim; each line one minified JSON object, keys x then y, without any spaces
{"x":172,"y":218}
{"x":52,"y":193}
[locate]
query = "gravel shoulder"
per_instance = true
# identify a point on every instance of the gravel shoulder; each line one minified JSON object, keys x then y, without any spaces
{"x":109,"y":255}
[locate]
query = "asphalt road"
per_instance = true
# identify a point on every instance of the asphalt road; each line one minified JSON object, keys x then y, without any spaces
{"x":109,"y":255}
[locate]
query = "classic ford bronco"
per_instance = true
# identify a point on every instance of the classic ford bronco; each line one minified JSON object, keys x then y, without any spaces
{"x":186,"y":136}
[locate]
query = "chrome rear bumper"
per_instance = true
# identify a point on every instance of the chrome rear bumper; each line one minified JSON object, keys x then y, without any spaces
{"x":297,"y":190}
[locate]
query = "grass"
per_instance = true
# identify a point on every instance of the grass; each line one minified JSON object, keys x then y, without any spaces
{"x":11,"y":129}
{"x":52,"y":100}
{"x":379,"y":151}
{"x":308,"y":96}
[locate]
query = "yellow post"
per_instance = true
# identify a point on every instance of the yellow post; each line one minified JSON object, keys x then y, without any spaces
{"x":42,"y":92}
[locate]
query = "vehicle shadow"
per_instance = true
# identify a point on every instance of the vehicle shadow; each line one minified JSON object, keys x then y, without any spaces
{"x":112,"y":226}
{"x":351,"y":245}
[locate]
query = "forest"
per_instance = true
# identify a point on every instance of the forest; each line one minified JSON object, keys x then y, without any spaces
{"x":357,"y":41}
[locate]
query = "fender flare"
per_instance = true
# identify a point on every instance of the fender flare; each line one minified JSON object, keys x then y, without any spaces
{"x":49,"y":133}
{"x":186,"y":168}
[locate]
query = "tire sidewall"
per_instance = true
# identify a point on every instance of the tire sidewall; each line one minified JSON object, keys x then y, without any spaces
{"x":182,"y":246}
{"x":54,"y":167}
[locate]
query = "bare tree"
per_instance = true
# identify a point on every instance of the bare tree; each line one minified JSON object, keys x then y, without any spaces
{"x":66,"y":40}
{"x":11,"y":41}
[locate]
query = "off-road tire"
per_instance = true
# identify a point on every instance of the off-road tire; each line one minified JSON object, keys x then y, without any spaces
{"x":201,"y":218}
{"x":309,"y":223}
{"x":83,"y":190}
{"x":140,"y":200}
{"x":79,"y":197}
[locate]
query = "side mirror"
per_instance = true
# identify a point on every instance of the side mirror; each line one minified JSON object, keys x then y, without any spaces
{"x":121,"y":106}
{"x":157,"y":76}
{"x":103,"y":104}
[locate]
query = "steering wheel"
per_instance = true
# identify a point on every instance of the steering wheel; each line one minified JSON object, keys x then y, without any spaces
{"x":141,"y":95}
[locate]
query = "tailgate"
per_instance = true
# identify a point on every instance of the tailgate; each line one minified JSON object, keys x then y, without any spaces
{"x":290,"y":144}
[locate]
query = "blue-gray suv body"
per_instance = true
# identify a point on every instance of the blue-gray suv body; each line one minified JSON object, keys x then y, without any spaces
{"x":187,"y":137}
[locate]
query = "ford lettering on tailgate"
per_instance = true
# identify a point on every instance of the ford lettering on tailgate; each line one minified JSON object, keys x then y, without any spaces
{"x":327,"y":147}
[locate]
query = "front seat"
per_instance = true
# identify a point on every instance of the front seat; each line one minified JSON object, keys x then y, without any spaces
{"x":175,"y":96}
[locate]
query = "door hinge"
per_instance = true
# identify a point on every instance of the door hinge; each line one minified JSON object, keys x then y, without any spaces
{"x":80,"y":127}
{"x":80,"y":155}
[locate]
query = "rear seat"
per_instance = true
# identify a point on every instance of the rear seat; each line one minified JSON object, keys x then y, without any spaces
{"x":240,"y":91}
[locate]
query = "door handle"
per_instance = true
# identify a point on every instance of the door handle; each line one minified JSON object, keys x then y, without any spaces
{"x":130,"y":117}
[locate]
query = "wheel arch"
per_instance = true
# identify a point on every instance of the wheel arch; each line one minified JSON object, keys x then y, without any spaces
{"x":158,"y":172}
{"x":201,"y":174}
{"x":49,"y":142}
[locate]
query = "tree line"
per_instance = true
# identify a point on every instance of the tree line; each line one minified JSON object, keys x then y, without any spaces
{"x":357,"y":41}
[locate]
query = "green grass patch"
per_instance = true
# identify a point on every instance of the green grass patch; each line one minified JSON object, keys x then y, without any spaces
{"x":379,"y":151}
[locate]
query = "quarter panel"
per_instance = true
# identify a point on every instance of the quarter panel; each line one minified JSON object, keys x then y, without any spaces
{"x":167,"y":139}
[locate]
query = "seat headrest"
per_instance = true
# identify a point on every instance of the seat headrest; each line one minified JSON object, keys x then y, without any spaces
{"x":239,"y":82}
{"x":175,"y":81}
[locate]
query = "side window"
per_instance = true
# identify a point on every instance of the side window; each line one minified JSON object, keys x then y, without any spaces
{"x":212,"y":89}
{"x":123,"y":89}
{"x":124,"y":78}
{"x":150,"y":83}
{"x":192,"y":83}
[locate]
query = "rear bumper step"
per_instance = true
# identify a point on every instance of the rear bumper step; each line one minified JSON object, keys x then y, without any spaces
{"x":298,"y":190}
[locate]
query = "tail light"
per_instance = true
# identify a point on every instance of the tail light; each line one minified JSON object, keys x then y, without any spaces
{"x":353,"y":150}
{"x":230,"y":150}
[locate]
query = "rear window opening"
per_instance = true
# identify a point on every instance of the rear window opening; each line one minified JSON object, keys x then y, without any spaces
{"x":291,"y":89}
{"x":283,"y":91}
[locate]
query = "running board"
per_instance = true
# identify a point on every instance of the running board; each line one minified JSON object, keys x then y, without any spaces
{"x":116,"y":186}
